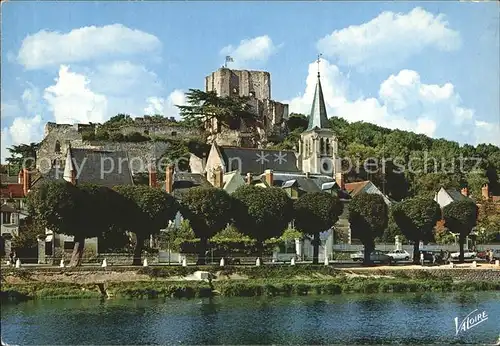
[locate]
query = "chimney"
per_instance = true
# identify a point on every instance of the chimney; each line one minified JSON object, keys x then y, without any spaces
{"x":26,"y":181}
{"x":249,"y":178}
{"x":485,"y":191}
{"x":269,"y":176}
{"x":218,"y":178}
{"x":339,"y":179}
{"x":73,"y":176}
{"x":153,"y":179}
{"x":465,"y":192}
{"x":169,"y":179}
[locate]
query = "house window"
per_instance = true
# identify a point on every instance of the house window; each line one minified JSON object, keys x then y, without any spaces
{"x":173,"y":134}
{"x":48,"y":248}
{"x":57,"y":147}
{"x":69,"y":245}
{"x":6,"y":218}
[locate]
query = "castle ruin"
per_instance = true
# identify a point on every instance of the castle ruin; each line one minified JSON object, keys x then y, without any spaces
{"x":256,"y":85}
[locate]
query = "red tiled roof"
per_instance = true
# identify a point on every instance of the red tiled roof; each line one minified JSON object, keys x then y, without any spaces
{"x":355,"y":188}
{"x":12,"y":191}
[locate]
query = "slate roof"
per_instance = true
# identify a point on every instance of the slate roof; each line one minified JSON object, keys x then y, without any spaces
{"x":183,"y":181}
{"x":313,"y":183}
{"x":256,"y":161}
{"x":456,"y":195}
{"x":106,"y":168}
{"x":318,"y":117}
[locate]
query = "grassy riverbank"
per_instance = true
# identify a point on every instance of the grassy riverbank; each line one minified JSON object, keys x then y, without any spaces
{"x":242,"y":281}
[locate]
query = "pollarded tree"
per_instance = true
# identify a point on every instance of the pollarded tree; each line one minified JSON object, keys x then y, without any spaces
{"x":416,"y":218}
{"x":59,"y":206}
{"x":154,"y":209}
{"x":262,"y":213}
{"x":461,"y":217}
{"x":315,"y":213}
{"x":208,"y":211}
{"x":368,"y":218}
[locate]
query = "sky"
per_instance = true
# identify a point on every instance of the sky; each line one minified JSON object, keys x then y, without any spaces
{"x":427,"y":67}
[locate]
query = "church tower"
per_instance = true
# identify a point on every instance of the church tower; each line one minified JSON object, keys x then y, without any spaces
{"x":318,"y":146}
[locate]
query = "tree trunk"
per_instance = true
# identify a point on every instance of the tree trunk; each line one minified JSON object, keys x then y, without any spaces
{"x":369,"y":247}
{"x":315,"y":243}
{"x":77,"y":255}
{"x":461,"y":241}
{"x":202,"y":260}
{"x":416,"y":252}
{"x":138,"y":250}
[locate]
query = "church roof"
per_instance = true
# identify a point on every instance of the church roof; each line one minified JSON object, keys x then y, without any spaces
{"x":256,"y":161}
{"x":318,"y":117}
{"x":102,"y":167}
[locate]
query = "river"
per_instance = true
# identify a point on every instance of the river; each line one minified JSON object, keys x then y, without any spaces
{"x":344,"y":319}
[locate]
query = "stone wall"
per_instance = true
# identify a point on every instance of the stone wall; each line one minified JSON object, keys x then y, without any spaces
{"x":227,"y":82}
{"x":59,"y":137}
{"x":457,"y":274}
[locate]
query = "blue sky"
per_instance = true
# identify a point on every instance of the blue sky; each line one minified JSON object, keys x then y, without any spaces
{"x":432,"y":69}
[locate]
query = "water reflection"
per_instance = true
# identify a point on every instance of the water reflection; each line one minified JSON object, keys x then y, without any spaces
{"x":344,"y":319}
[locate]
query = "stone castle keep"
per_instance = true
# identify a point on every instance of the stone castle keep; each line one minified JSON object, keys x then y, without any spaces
{"x":226,"y":82}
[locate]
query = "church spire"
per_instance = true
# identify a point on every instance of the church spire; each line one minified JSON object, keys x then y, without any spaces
{"x":318,"y":117}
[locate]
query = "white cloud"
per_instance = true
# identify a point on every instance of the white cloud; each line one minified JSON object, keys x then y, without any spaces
{"x":124,"y":78}
{"x":404,"y":102}
{"x":390,"y":38}
{"x":71,"y":100}
{"x":23,"y":130}
{"x":166,"y":107}
{"x":486,"y":132}
{"x":10,"y":110}
{"x":254,"y":50}
{"x":47,"y":48}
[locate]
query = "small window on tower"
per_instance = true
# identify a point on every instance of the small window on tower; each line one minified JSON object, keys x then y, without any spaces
{"x":57,"y":148}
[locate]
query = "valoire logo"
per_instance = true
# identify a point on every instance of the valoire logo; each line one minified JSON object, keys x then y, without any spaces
{"x":470,"y":321}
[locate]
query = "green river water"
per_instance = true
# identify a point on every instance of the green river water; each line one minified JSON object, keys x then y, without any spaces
{"x":344,"y":319}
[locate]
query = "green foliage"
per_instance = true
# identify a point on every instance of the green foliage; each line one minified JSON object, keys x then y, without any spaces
{"x":460,"y":217}
{"x":262,"y":213}
{"x":315,"y":213}
{"x":208,"y":211}
{"x":416,"y":218}
{"x":27,"y":237}
{"x":22,"y":156}
{"x":207,"y":106}
{"x":156,"y":205}
{"x":488,"y":225}
{"x":368,"y":217}
{"x":297,"y":121}
{"x":57,"y":205}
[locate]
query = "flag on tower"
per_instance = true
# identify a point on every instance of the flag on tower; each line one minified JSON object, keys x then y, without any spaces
{"x":229,"y":59}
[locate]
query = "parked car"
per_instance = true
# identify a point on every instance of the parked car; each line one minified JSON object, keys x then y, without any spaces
{"x":399,"y":255}
{"x":375,"y":256}
{"x":467,"y":255}
{"x":486,"y":256}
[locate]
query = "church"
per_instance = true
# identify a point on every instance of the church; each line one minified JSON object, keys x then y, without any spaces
{"x":314,"y":167}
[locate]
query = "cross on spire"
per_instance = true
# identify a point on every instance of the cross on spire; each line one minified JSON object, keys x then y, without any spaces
{"x":318,"y":61}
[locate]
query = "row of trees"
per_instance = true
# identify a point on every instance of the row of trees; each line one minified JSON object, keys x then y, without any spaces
{"x":261,"y":214}
{"x":86,"y":211}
